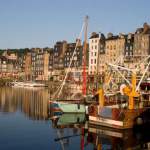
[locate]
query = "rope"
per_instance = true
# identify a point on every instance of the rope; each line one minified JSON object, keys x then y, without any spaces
{"x":77,"y":43}
{"x":137,"y":88}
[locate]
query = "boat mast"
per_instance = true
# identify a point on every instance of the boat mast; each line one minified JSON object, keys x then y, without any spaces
{"x":59,"y":91}
{"x":84,"y":56}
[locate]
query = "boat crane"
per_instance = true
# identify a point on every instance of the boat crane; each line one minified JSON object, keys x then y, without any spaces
{"x":133,"y":89}
{"x":109,"y":75}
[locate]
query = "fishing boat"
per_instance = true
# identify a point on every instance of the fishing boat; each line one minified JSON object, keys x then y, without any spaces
{"x":66,"y":107}
{"x":120,"y":118}
{"x":73,"y":106}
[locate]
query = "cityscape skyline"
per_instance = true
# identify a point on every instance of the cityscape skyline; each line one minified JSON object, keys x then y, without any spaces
{"x":37,"y":23}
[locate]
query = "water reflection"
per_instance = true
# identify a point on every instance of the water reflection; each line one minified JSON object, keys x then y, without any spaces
{"x":106,"y":138}
{"x":66,"y":131}
{"x":32,"y":102}
{"x":97,"y":137}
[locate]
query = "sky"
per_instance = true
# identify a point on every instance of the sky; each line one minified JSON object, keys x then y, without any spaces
{"x":41,"y":23}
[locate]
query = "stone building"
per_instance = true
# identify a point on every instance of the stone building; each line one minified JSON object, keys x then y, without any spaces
{"x":8,"y":67}
{"x":142,"y":41}
{"x":27,"y":66}
{"x":40,"y":64}
{"x":129,"y":45}
{"x":50,"y":67}
{"x":58,"y":55}
{"x":10,"y":55}
{"x":3,"y":65}
{"x":76,"y":64}
{"x":141,"y":47}
{"x":101,"y":56}
{"x":77,"y":59}
{"x":115,"y":46}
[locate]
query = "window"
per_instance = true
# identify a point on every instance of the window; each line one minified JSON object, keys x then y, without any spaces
{"x":91,"y":61}
{"x":95,"y":53}
{"x":75,"y":58}
{"x":95,"y":61}
{"x":110,"y":47}
{"x":95,"y":46}
{"x":130,"y":53}
{"x":91,"y":53}
{"x":95,"y":41}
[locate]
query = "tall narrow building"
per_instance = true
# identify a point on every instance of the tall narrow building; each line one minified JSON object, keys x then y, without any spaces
{"x":115,"y":46}
{"x":142,"y":41}
{"x":93,"y":53}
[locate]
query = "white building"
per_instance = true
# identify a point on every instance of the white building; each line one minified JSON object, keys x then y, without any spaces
{"x":93,"y":53}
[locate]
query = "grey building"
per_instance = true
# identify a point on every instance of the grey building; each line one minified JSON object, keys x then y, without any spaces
{"x":58,"y":55}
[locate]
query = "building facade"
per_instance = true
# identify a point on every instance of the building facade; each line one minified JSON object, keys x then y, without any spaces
{"x":142,"y":41}
{"x":102,"y":55}
{"x":115,"y":46}
{"x":58,"y":55}
{"x":27,"y":66}
{"x":40,"y":64}
{"x":73,"y":59}
{"x":8,"y":67}
{"x":129,"y":45}
{"x":94,"y":44}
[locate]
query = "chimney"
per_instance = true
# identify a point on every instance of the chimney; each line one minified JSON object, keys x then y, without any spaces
{"x":146,"y":28}
{"x":109,"y":35}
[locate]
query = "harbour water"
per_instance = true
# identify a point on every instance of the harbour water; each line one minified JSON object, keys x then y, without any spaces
{"x":25,"y":124}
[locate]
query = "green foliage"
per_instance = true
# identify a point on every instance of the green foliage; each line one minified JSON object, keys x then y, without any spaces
{"x":1,"y":51}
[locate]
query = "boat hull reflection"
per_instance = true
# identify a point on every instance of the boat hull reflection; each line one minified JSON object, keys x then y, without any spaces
{"x":108,"y":138}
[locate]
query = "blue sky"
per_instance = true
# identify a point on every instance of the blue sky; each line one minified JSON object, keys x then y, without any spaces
{"x":40,"y":23}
